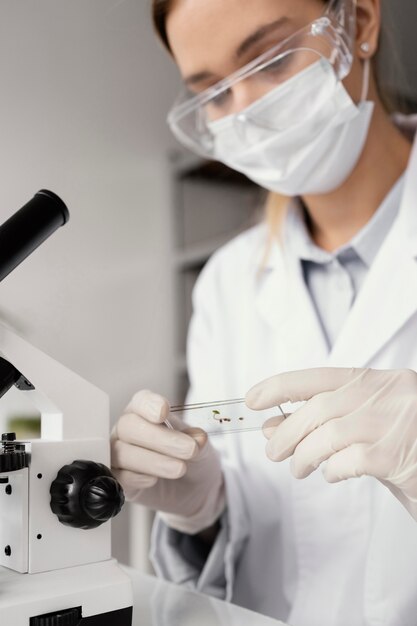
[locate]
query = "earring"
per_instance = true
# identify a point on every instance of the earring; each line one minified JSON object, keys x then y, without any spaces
{"x":365,"y":47}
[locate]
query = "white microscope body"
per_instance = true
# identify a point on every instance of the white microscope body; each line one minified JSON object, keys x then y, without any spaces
{"x":57,"y":494}
{"x":53,"y":567}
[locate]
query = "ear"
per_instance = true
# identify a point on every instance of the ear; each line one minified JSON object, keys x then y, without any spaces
{"x":368,"y":23}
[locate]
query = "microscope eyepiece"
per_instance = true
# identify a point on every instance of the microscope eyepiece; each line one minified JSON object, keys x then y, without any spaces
{"x":24,"y":231}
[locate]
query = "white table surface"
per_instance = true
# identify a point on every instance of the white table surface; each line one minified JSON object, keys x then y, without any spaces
{"x":155,"y":602}
{"x":158,"y":603}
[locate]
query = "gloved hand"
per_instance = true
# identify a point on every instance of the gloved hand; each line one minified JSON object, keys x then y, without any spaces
{"x":360,"y":421}
{"x":176,"y":472}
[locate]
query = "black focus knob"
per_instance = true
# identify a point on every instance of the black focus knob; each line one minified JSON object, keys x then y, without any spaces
{"x":99,"y":496}
{"x":69,"y":617}
{"x":13,"y":456}
{"x":85,"y":495}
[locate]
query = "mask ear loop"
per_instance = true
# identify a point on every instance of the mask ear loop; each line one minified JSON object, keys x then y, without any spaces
{"x":366,"y":77}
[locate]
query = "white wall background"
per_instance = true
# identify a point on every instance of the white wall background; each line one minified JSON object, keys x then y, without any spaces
{"x":84,"y":91}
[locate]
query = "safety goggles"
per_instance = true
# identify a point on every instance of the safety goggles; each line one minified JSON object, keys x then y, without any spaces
{"x":329,"y":38}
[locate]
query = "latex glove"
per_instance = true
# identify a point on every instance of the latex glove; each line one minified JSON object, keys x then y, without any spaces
{"x":359,"y":421}
{"x":176,"y":471}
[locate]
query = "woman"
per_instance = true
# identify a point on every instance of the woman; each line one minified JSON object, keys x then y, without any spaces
{"x":286,"y":93}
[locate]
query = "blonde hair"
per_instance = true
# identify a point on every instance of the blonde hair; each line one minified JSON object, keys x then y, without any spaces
{"x":276,"y":207}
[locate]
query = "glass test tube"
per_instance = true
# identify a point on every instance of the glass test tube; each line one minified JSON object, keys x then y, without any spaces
{"x":229,"y":416}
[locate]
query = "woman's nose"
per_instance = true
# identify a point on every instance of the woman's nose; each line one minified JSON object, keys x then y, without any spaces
{"x":245,"y":94}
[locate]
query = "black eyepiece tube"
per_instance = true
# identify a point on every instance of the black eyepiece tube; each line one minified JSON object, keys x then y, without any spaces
{"x":24,"y":231}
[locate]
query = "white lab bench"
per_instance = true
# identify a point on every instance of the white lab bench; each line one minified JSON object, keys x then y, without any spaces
{"x":155,"y":602}
{"x":158,"y":603}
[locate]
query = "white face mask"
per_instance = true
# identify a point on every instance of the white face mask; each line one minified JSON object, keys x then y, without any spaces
{"x":315,"y":144}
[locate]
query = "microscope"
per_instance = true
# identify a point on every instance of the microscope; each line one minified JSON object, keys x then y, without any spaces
{"x":57,"y":494}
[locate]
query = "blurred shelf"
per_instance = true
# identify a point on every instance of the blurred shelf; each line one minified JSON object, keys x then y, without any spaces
{"x":181,"y":364}
{"x":212,"y":205}
{"x":198,"y":254}
{"x":214,"y":172}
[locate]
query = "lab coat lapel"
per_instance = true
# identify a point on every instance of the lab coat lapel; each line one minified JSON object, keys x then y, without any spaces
{"x":388,"y":297}
{"x":285,"y":305}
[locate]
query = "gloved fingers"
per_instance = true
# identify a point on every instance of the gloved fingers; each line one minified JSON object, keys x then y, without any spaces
{"x":142,"y":461}
{"x":205,"y":449}
{"x":149,"y":405}
{"x":133,"y":483}
{"x":352,"y":462}
{"x":313,"y":414}
{"x":113,"y":434}
{"x":178,"y":423}
{"x":136,"y":430}
{"x":269,"y":427}
{"x":199,"y":435}
{"x":298,"y":386}
{"x":327,"y":440}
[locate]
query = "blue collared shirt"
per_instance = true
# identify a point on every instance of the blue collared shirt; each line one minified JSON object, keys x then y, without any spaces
{"x":334,"y":279}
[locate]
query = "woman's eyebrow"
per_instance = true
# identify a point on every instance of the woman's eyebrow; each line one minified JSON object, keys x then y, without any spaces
{"x":260,"y":34}
{"x":253,"y":39}
{"x":198,"y":78}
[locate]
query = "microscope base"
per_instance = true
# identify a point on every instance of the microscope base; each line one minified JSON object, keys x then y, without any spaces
{"x":102,"y":592}
{"x":122,"y":617}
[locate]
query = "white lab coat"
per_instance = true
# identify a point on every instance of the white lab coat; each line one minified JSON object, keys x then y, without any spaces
{"x":305,"y":551}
